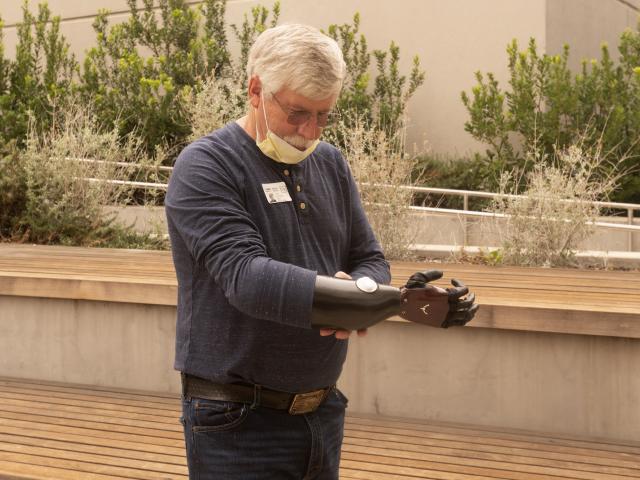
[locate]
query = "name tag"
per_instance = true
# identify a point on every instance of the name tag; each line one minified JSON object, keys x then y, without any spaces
{"x":276,"y":192}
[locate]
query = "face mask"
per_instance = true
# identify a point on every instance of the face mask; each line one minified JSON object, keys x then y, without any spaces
{"x":278,"y":149}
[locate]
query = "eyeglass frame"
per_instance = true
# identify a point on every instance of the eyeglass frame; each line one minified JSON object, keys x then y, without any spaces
{"x":331,"y":116}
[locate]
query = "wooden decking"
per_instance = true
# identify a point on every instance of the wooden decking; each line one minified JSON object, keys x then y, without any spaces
{"x":536,"y":299}
{"x":74,"y":432}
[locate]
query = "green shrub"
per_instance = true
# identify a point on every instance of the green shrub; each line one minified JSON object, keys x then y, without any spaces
{"x":477,"y":173}
{"x":381,"y":106}
{"x":142,"y":73}
{"x":51,"y":199}
{"x":154,"y":81}
{"x":548,"y":107}
{"x":39,"y":79}
{"x":13,"y":190}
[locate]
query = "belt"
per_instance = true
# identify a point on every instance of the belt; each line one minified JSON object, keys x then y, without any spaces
{"x":256,"y":395}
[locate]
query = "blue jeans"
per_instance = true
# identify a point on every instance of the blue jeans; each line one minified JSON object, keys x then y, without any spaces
{"x":229,"y":441}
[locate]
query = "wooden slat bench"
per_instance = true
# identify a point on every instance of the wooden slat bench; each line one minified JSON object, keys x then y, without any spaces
{"x":582,"y":302}
{"x":61,"y":431}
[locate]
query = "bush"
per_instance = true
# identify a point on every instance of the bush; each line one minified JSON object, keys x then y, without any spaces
{"x":57,"y":197}
{"x":547,"y":107}
{"x":144,"y":73}
{"x":40,"y":79}
{"x":381,"y":168}
{"x":382,"y":108}
{"x":475,"y":173}
{"x":13,"y":190}
{"x":545,"y":226}
{"x":156,"y":81}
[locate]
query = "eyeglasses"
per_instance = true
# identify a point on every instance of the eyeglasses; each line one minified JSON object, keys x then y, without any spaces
{"x":300,"y":117}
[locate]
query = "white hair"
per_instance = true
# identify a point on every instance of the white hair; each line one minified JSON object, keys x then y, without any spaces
{"x":299,"y":57}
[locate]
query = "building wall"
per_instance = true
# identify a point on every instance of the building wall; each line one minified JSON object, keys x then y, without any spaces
{"x":586,"y":24}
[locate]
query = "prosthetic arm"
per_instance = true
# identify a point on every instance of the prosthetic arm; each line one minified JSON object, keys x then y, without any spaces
{"x":354,"y":305}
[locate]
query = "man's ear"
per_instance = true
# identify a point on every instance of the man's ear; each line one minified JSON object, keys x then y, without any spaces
{"x":254,"y":90}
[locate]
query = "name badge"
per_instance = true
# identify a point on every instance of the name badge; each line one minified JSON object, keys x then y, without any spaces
{"x":276,"y":192}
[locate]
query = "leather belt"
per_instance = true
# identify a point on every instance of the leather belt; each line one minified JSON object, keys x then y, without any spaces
{"x":294,"y":403}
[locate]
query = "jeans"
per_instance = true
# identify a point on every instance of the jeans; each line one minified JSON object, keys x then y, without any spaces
{"x":229,"y":441}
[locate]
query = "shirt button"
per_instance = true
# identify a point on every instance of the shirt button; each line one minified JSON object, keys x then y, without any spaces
{"x":302,"y":206}
{"x":286,"y":172}
{"x":298,"y":188}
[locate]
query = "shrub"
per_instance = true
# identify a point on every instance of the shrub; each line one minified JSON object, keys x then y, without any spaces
{"x":154,"y":82}
{"x":143,"y":73}
{"x":58,"y":203}
{"x":381,"y":168}
{"x":476,"y":173}
{"x":383,"y":107}
{"x":13,"y":189}
{"x":41,"y":77}
{"x":547,"y":107}
{"x":545,"y":226}
{"x":213,"y":105}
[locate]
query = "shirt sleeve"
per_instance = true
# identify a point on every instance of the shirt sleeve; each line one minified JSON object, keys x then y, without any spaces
{"x":204,"y":207}
{"x":366,"y":258}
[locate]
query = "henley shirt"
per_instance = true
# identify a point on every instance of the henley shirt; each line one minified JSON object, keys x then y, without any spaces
{"x":246,"y":260}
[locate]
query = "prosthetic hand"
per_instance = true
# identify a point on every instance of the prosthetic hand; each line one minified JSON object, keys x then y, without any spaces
{"x":355,"y":305}
{"x":435,"y":306}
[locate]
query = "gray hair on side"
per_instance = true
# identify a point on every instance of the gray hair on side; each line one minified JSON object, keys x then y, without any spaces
{"x":299,"y":57}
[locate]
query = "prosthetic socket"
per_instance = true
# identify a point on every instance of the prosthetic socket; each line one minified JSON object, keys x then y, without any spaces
{"x":355,"y":305}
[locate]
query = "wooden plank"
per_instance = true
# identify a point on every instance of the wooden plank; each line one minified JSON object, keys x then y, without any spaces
{"x":156,"y":437}
{"x":514,"y":465}
{"x":546,"y":300}
{"x":127,"y":448}
{"x":625,"y":447}
{"x":84,"y":467}
{"x":155,"y":468}
{"x":85,"y":439}
{"x":15,"y":470}
{"x":50,"y":385}
{"x":389,"y":463}
{"x":466,"y":448}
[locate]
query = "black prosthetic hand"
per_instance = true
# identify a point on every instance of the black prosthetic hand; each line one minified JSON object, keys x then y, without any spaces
{"x":355,"y":305}
{"x":352,"y":305}
{"x":435,"y":306}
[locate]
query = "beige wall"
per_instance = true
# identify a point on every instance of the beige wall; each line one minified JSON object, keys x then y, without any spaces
{"x":586,"y":24}
{"x":581,"y":385}
{"x":453,"y":39}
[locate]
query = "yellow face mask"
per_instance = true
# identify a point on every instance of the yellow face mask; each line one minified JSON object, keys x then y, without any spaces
{"x":279,"y":149}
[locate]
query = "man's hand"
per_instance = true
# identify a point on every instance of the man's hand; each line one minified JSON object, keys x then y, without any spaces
{"x":423,"y":303}
{"x":341,"y":334}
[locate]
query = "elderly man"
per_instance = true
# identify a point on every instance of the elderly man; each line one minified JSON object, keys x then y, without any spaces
{"x":262,"y":218}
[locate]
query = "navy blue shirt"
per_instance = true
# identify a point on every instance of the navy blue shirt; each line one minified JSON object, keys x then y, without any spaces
{"x":246,"y":264}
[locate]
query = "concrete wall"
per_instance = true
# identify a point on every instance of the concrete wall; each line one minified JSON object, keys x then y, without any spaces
{"x":556,"y":383}
{"x":586,"y":24}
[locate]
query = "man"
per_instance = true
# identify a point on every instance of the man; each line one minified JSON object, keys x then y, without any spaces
{"x":261,"y":215}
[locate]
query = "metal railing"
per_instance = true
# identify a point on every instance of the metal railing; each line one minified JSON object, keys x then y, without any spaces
{"x":465,"y":213}
{"x":630,"y":208}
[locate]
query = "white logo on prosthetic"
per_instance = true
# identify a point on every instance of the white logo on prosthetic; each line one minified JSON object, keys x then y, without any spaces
{"x":424,"y":309}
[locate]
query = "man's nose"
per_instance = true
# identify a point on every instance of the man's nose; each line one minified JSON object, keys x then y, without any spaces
{"x":310,"y":129}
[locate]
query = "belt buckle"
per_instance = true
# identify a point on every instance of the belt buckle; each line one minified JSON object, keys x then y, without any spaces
{"x":307,"y":402}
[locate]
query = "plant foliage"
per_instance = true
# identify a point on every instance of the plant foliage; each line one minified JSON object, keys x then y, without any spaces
{"x":549,"y":107}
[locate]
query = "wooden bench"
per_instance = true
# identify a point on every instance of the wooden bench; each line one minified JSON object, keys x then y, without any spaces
{"x":61,"y":431}
{"x":585,"y":302}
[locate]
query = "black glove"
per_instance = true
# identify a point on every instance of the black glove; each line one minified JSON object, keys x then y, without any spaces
{"x":460,"y":310}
